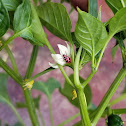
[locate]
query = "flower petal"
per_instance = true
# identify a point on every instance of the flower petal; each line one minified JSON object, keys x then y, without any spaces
{"x":53,"y":65}
{"x":68,"y":49}
{"x":63,"y":49}
{"x":58,"y":59}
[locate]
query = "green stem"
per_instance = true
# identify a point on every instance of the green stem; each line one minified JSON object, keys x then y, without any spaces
{"x":14,"y":75}
{"x":40,"y":74}
{"x":17,"y":114}
{"x":102,"y":52}
{"x":32,"y":62}
{"x":108,"y":96}
{"x":76,"y":69}
{"x":119,"y":111}
{"x":115,"y":101}
{"x":65,"y":75}
{"x":12,"y":38}
{"x":27,"y":93}
{"x":31,"y":107}
{"x":41,"y":117}
{"x":60,"y":67}
{"x":89,"y":78}
{"x":81,"y":96}
{"x":115,"y":111}
{"x":69,"y":119}
{"x":83,"y":108}
{"x":14,"y":65}
{"x":50,"y":111}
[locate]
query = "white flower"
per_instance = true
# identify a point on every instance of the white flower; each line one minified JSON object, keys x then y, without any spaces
{"x":63,"y":57}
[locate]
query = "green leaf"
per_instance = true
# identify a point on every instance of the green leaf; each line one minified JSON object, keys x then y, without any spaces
{"x":56,"y":19}
{"x":4,"y":19}
{"x":92,"y":8}
{"x":76,"y":43}
{"x":11,"y":5}
{"x":21,"y":105}
{"x":24,"y":105}
{"x":17,"y":124}
{"x":116,"y":5}
{"x":28,"y":24}
{"x":114,"y":50}
{"x":36,"y":101}
{"x":118,"y":22}
{"x":22,"y":16}
{"x":85,"y":58}
{"x":99,"y":13}
{"x":67,"y":92}
{"x":47,"y":87}
{"x":36,"y":28}
{"x":90,"y":33}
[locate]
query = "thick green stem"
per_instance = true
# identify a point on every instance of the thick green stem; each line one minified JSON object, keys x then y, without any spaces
{"x":81,"y":96}
{"x":32,"y":62}
{"x":76,"y":69}
{"x":50,"y":111}
{"x":83,"y":108}
{"x":14,"y":65}
{"x":27,"y":93}
{"x":31,"y":107}
{"x":14,"y":75}
{"x":69,"y":120}
{"x":105,"y":101}
{"x":115,"y":101}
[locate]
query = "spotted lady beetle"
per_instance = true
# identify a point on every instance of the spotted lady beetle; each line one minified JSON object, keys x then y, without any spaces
{"x":67,"y":58}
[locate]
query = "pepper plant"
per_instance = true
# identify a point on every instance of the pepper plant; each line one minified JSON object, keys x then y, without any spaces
{"x":86,"y":44}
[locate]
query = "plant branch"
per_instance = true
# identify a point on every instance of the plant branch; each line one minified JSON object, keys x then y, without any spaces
{"x":12,"y":73}
{"x":89,"y":78}
{"x":31,"y":107}
{"x":115,"y":101}
{"x":108,"y":96}
{"x":14,"y":65}
{"x":40,"y":74}
{"x":102,"y":52}
{"x":76,"y":68}
{"x":50,"y":111}
{"x":32,"y":62}
{"x":13,"y":37}
{"x":27,"y":93}
{"x":83,"y":108}
{"x":69,"y":119}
